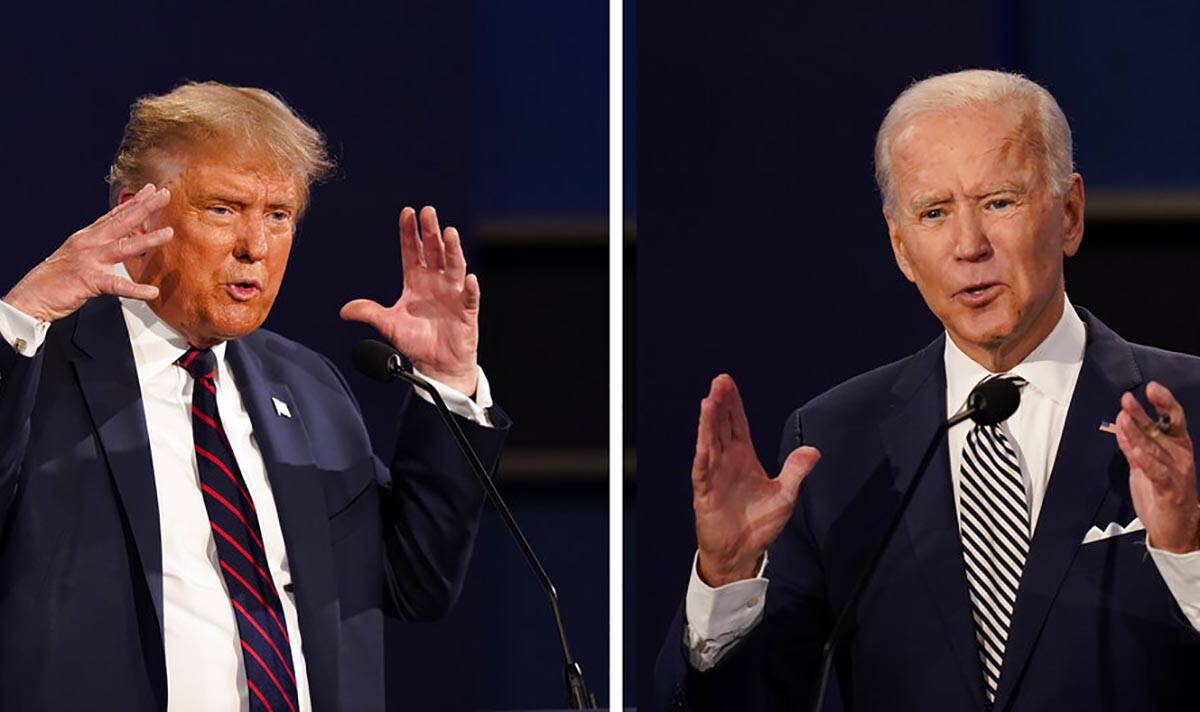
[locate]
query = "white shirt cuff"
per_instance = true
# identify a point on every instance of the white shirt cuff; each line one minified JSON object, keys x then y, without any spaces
{"x":22,"y":332}
{"x":458,"y":402}
{"x":1181,"y":572}
{"x":717,"y":618}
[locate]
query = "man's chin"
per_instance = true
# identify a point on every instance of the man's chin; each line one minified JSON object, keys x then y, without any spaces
{"x":227,"y":326}
{"x":987,"y":330}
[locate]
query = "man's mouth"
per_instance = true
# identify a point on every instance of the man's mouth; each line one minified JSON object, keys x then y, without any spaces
{"x":243,"y":291}
{"x":979,"y":294}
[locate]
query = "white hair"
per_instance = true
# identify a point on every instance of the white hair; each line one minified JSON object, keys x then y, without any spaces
{"x":971,"y":88}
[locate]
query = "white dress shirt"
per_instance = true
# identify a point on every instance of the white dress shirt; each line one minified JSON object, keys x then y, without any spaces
{"x":719,"y":617}
{"x":205,"y":666}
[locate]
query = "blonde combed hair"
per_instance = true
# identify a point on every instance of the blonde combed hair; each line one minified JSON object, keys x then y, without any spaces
{"x":199,"y":111}
{"x":971,"y":88}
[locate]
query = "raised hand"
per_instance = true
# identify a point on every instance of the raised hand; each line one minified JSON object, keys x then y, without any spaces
{"x":82,"y":267}
{"x":740,"y":511}
{"x":1162,"y":470}
{"x":435,"y":323}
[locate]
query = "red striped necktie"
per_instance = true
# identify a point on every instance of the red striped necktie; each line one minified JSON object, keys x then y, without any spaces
{"x":266,"y":649}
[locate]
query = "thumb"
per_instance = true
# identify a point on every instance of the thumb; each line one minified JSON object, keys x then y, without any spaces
{"x":363,"y":310}
{"x":797,"y":466}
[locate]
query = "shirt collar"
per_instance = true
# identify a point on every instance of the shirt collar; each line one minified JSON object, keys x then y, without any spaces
{"x":1050,"y":368}
{"x":156,"y":346}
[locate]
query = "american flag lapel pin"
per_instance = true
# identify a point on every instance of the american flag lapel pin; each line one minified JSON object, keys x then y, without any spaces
{"x":1107,"y":427}
{"x":281,"y":408}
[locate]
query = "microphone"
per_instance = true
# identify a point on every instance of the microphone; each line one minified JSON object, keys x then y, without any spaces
{"x":385,"y":364}
{"x":377,"y":360}
{"x":991,"y":402}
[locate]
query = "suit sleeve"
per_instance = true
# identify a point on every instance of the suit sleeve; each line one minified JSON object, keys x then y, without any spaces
{"x":775,"y":666}
{"x":19,"y":378}
{"x":431,"y":504}
{"x":431,"y":507}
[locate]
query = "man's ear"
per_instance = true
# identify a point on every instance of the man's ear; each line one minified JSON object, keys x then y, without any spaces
{"x":1073,"y":202}
{"x":898,"y":248}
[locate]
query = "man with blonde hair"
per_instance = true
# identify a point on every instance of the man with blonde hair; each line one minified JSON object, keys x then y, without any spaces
{"x":191,"y":514}
{"x":1042,"y":563}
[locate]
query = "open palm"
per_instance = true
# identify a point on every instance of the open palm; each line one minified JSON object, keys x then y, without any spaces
{"x":740,"y":510}
{"x":435,"y":322}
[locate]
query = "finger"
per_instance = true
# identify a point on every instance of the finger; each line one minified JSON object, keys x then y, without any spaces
{"x":410,"y":242}
{"x":431,"y":239}
{"x":732,"y":400}
{"x":723,"y":424}
{"x":364,"y":310}
{"x":1158,"y":473}
{"x":1139,"y":438}
{"x":701,"y":482}
{"x":1177,"y":444}
{"x":134,"y":245}
{"x":1164,"y":402}
{"x":471,"y":293}
{"x":1134,"y":409}
{"x":456,"y":261}
{"x":119,"y":286}
{"x":706,"y":436}
{"x":1144,"y":453}
{"x":124,"y":223}
{"x":146,"y":191}
{"x":796,"y":467}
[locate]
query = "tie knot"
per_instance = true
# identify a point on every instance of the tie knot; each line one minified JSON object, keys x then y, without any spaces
{"x":200,"y":363}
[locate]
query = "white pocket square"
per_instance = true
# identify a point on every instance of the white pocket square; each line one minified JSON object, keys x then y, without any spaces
{"x":1114,"y":529}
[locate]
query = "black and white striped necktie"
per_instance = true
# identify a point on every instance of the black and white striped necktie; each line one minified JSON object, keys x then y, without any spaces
{"x":994,"y":525}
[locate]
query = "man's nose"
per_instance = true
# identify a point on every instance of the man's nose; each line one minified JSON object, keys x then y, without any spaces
{"x":252,"y":239}
{"x":971,"y":242}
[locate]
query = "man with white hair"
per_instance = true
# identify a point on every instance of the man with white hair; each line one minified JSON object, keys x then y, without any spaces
{"x":192,"y":516}
{"x":1049,"y":562}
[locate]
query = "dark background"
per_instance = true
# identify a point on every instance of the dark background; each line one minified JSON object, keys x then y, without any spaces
{"x":494,"y":112}
{"x":762,"y":250}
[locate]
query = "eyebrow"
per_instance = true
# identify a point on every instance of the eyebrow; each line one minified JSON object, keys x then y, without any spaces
{"x":223,"y":197}
{"x":1001,"y":188}
{"x":921,"y":202}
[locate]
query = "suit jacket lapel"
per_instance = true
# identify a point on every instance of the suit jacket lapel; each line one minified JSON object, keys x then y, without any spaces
{"x":108,"y":379}
{"x":1087,"y":462}
{"x":930,"y":520}
{"x":300,"y":499}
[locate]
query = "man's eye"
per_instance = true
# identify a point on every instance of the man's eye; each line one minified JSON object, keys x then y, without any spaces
{"x":932,"y":214}
{"x":999,"y":203}
{"x":279,"y":216}
{"x":219,"y":210}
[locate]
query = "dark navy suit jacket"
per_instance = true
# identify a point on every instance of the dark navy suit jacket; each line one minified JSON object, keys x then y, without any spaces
{"x":1094,"y":627}
{"x":81,"y":610}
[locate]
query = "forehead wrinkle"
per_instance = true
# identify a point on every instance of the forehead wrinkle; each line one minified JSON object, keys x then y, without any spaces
{"x":243,"y":185}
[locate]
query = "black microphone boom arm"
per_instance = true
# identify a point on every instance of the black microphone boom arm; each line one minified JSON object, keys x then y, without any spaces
{"x":578,"y":698}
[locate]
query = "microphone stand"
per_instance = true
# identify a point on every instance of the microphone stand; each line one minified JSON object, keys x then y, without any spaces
{"x":578,"y":698}
{"x":869,"y":571}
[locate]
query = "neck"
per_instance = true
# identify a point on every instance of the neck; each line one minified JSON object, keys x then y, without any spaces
{"x":999,"y":357}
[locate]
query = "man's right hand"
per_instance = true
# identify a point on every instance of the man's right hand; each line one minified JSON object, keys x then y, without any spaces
{"x":740,"y":511}
{"x":83,"y":267}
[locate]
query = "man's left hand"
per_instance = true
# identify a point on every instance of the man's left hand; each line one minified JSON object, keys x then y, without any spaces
{"x":1162,"y":470}
{"x":435,"y":323}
